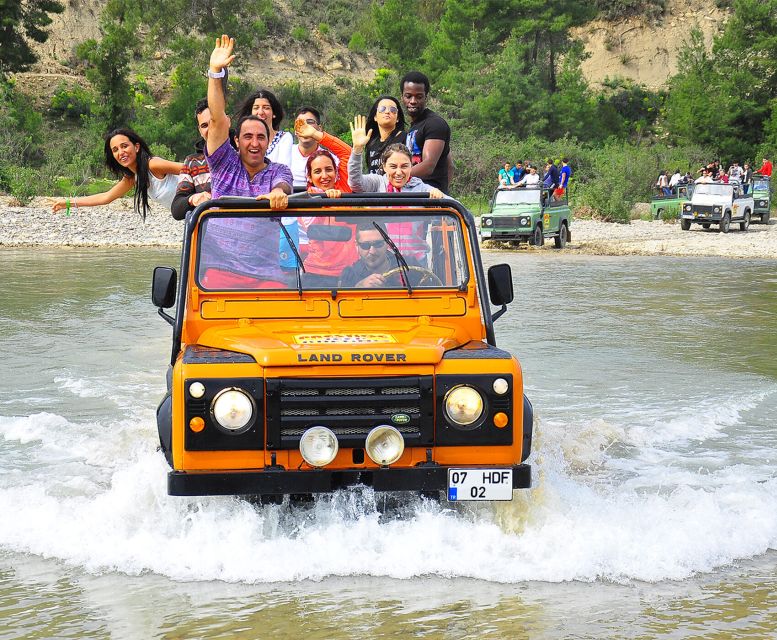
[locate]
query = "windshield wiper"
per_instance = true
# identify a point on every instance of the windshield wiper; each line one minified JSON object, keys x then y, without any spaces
{"x":398,"y":255}
{"x":296,"y":254}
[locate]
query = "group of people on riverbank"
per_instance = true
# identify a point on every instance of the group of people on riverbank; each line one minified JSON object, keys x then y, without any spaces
{"x":667,"y":184}
{"x":250,"y":155}
{"x":525,"y":174}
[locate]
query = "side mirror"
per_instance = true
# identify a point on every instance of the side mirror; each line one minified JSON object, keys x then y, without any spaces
{"x":163,"y":287}
{"x":500,"y":287}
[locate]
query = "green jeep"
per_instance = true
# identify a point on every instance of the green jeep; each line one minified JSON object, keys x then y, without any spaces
{"x":666,"y":207}
{"x":528,"y":214}
{"x":762,"y":197}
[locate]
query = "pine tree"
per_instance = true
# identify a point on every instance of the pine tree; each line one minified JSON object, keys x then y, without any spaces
{"x":20,"y":22}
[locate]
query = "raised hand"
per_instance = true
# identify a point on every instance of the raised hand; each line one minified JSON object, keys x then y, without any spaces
{"x":305,"y":130}
{"x":359,"y":134}
{"x":222,"y":55}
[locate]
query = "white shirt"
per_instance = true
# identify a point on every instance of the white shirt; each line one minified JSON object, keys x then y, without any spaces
{"x":279,"y":149}
{"x":530,"y":180}
{"x":299,"y":164}
{"x":676,"y":177}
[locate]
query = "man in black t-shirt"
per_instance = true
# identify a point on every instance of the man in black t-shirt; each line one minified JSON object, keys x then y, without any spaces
{"x":429,"y":136}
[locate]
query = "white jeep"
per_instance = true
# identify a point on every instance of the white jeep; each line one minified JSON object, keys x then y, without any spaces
{"x":717,"y":203}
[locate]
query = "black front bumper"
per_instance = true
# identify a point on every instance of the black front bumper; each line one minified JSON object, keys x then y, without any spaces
{"x":281,"y":482}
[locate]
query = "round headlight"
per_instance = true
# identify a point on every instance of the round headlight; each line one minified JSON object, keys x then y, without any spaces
{"x":384,"y":444}
{"x":196,"y":389}
{"x":524,"y":222}
{"x":463,"y":405}
{"x":762,"y":203}
{"x":715,"y":209}
{"x":487,"y":222}
{"x":500,"y":386}
{"x":318,"y":446}
{"x":687,"y":207}
{"x":233,"y":410}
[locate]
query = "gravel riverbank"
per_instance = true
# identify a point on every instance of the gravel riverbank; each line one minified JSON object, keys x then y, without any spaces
{"x":118,"y":225}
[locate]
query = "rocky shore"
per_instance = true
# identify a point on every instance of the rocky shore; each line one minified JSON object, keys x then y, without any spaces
{"x":118,"y":225}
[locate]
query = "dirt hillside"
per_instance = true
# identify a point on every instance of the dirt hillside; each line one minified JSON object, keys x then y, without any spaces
{"x":639,"y":49}
{"x":646,"y":51}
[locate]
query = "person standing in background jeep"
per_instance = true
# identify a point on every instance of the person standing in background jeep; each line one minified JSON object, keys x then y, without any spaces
{"x":766,"y":168}
{"x":429,"y":136}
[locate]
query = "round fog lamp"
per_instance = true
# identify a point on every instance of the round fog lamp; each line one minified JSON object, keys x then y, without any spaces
{"x":233,"y":410}
{"x":463,"y":405}
{"x":196,"y":389}
{"x":384,"y":444}
{"x":318,"y":446}
{"x":500,"y":386}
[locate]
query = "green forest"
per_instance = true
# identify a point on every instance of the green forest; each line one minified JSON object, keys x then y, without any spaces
{"x":505,"y":73}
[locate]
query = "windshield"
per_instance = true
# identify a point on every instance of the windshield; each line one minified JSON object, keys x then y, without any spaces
{"x":518,"y":196}
{"x":246,"y":251}
{"x":761,"y":185}
{"x":713,"y":189}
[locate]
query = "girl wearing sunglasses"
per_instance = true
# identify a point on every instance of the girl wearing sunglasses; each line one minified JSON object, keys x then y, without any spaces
{"x":387,"y":124}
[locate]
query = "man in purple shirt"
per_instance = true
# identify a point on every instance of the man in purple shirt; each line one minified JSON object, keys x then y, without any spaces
{"x":240,"y":252}
{"x":245,"y":172}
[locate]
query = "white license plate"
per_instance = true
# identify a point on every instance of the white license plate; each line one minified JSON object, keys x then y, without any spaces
{"x":480,"y":484}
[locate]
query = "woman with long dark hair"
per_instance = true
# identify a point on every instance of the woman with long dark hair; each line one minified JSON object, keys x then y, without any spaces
{"x":265,"y":105}
{"x":127,"y":155}
{"x":386,"y":126}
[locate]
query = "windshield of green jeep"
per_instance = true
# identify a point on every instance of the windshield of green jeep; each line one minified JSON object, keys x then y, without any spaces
{"x":761,"y":185}
{"x":518,"y":196}
{"x":713,"y":189}
{"x":250,"y":251}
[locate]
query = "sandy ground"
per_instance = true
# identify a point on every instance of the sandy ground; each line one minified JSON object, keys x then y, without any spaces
{"x":118,"y":225}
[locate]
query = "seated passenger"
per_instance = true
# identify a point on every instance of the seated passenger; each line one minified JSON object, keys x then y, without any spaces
{"x":245,"y":251}
{"x":375,"y":259}
{"x":396,"y":163}
{"x":531,"y":179}
{"x":506,"y":176}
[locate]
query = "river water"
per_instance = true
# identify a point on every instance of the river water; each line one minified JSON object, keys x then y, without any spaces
{"x":654,"y":511}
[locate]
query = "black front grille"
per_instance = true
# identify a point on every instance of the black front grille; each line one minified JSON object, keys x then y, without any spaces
{"x":350,"y":407}
{"x":505,"y":223}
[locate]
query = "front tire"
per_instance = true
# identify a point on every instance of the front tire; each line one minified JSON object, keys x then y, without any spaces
{"x":765,"y":217}
{"x":561,"y":239}
{"x":537,"y":239}
{"x":685,"y":225}
{"x":745,"y":224}
{"x":706,"y":225}
{"x":725,"y":223}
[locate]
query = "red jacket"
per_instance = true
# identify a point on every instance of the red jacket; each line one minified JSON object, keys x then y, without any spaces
{"x":766,"y":168}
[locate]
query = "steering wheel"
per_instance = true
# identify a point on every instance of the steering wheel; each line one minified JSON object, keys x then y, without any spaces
{"x":427,"y":274}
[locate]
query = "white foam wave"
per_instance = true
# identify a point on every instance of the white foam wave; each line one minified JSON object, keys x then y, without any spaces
{"x":566,"y":531}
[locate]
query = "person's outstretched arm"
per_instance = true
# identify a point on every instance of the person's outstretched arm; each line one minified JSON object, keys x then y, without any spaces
{"x":118,"y":190}
{"x":220,"y":59}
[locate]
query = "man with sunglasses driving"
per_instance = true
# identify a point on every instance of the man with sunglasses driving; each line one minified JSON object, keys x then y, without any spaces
{"x":375,"y":259}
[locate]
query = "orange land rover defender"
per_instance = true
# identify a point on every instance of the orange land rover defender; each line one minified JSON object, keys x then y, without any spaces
{"x":348,"y":342}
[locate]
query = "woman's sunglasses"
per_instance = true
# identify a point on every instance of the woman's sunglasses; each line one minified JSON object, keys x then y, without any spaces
{"x":383,"y":108}
{"x":377,"y":244}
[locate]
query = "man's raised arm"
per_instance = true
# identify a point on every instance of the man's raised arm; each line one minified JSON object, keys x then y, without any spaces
{"x":220,"y":59}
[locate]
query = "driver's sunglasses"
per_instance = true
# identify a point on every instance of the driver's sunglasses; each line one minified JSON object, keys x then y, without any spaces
{"x":383,"y":108}
{"x":310,"y":121}
{"x":377,"y":244}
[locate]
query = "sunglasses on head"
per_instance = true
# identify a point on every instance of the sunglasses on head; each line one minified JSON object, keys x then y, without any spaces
{"x":377,"y":244}
{"x":383,"y":108}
